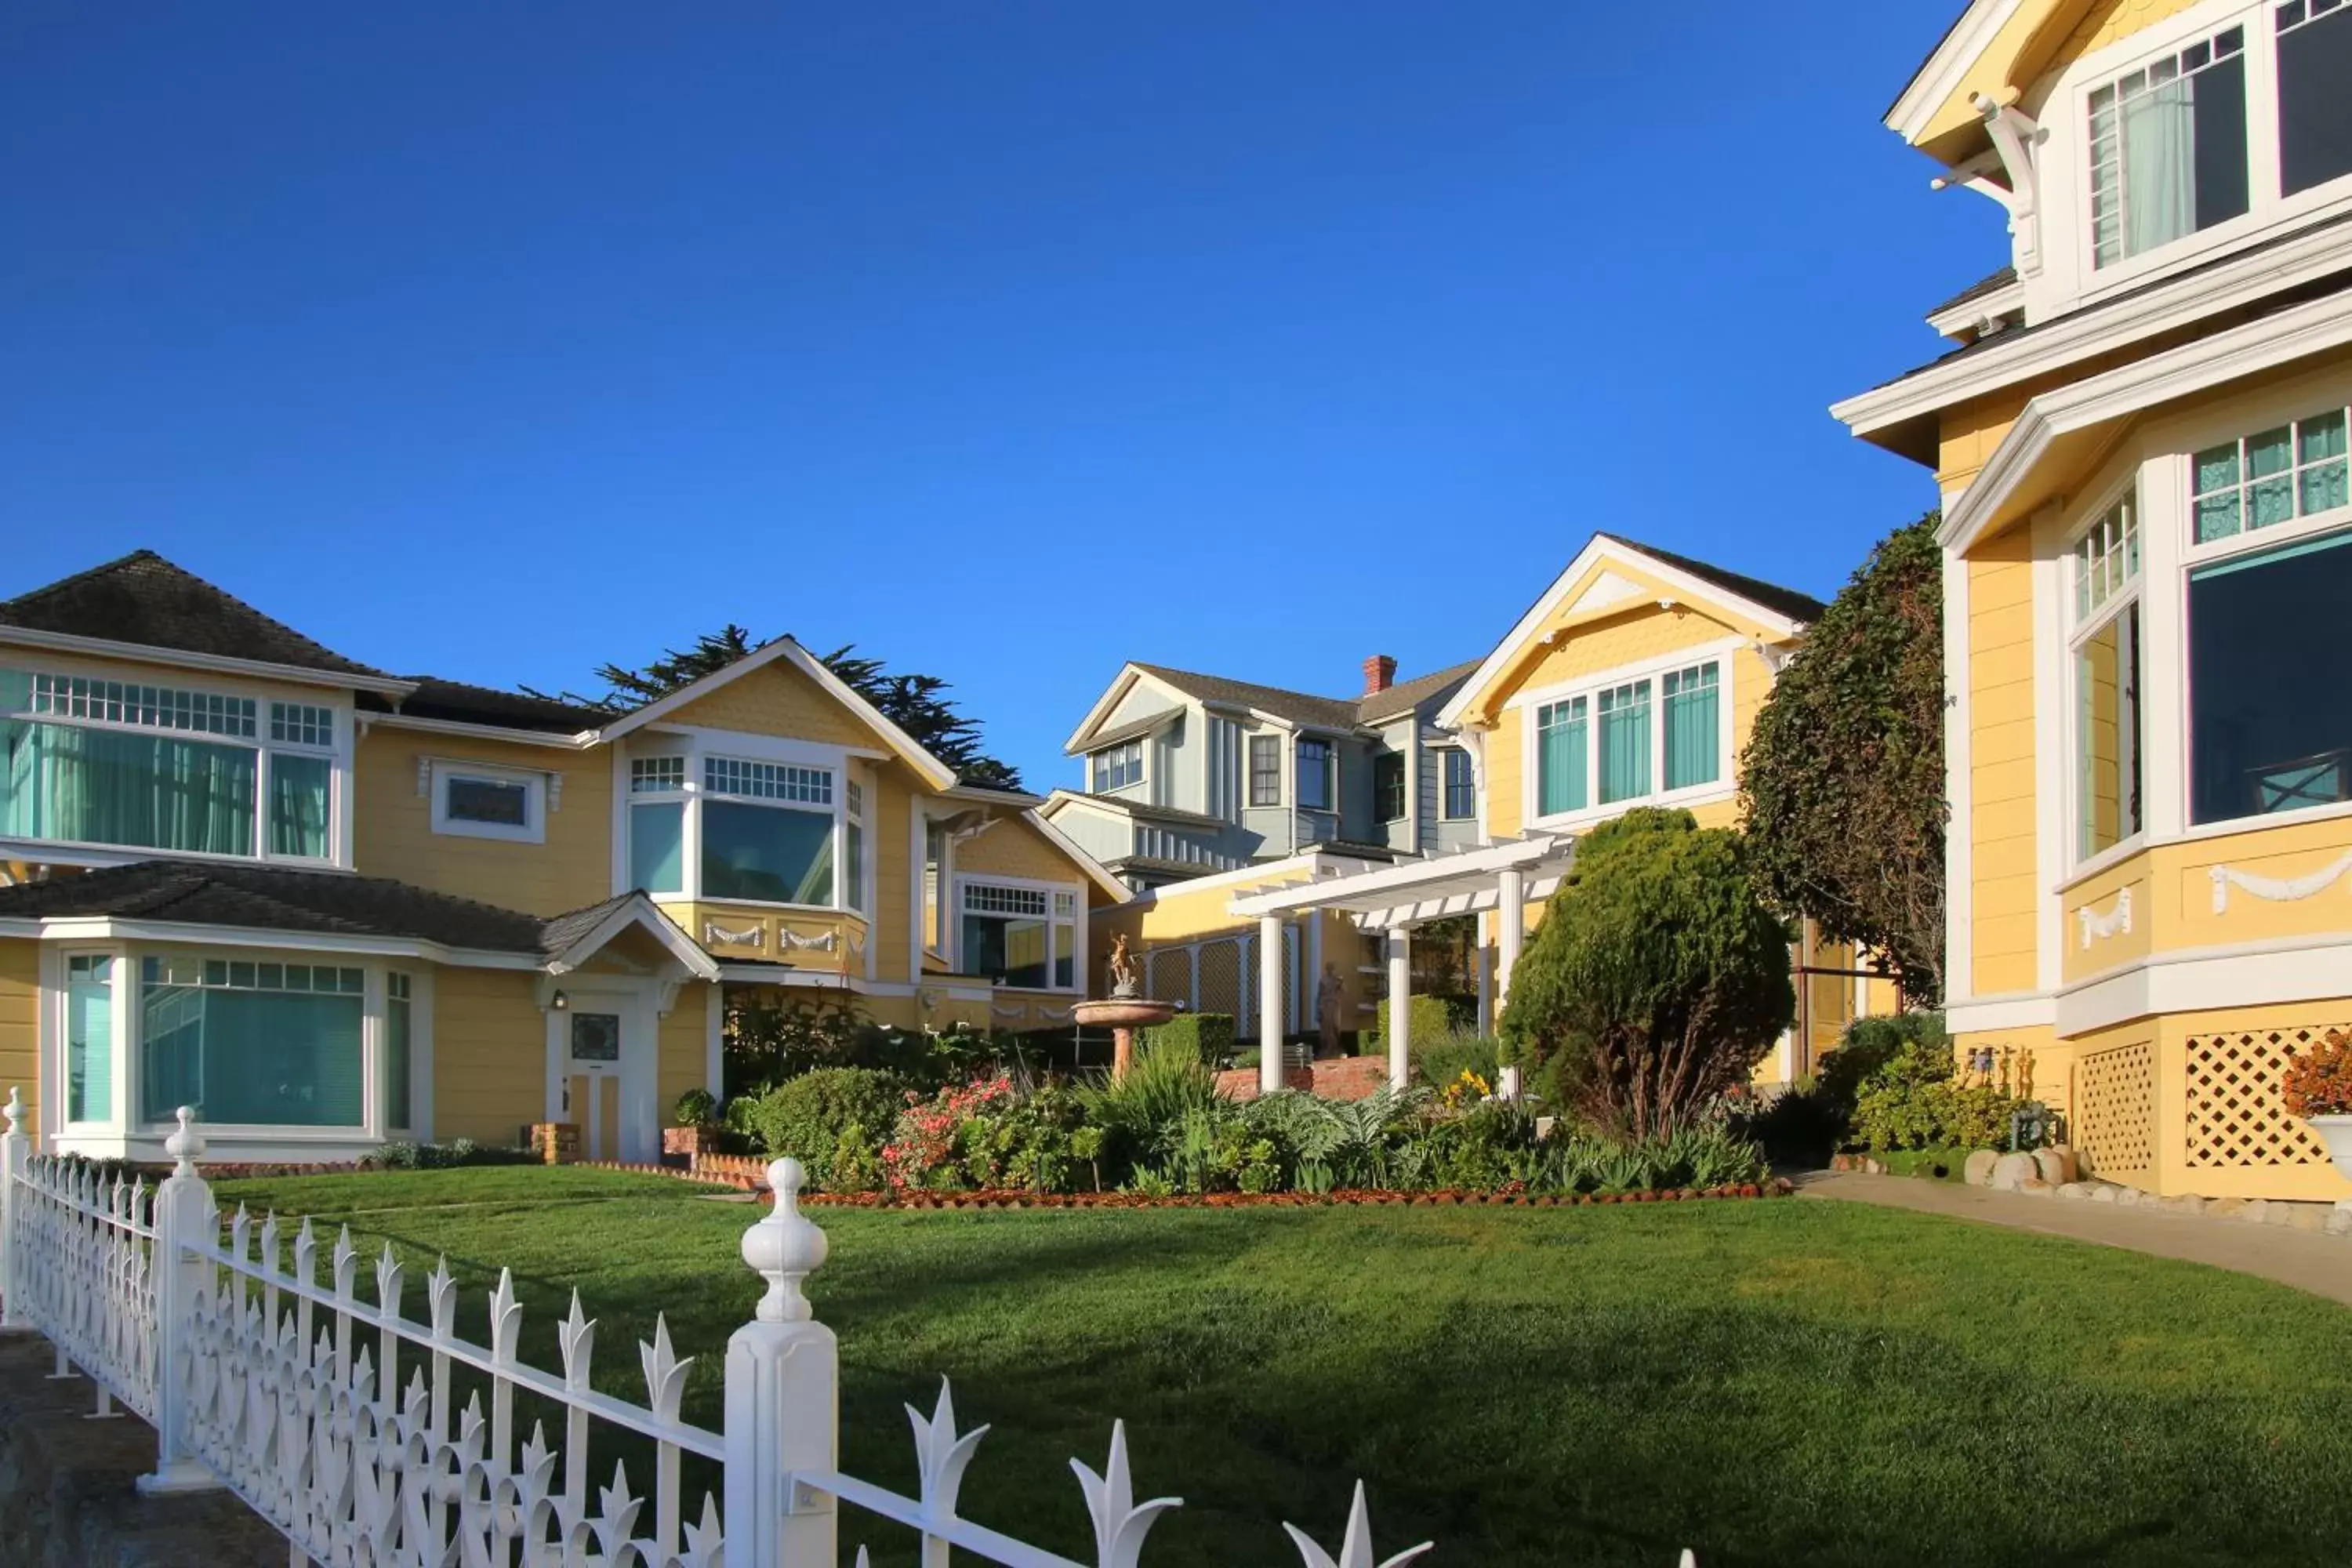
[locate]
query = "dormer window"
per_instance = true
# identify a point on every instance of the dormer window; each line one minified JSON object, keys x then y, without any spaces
{"x":2168,"y":148}
{"x":1118,"y":766}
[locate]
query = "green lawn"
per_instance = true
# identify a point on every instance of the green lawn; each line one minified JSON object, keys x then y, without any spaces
{"x":1794,"y":1382}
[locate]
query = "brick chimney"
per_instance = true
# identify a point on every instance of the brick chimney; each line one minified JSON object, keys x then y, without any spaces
{"x":1380,"y":674}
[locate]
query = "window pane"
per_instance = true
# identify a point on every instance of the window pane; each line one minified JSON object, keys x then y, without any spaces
{"x":277,"y":1059}
{"x":1461,"y":790}
{"x":657,"y":846}
{"x":1066,"y":957}
{"x":1560,"y":734}
{"x":769,"y":853}
{"x":2217,"y":518}
{"x":1315,"y":775}
{"x":1388,"y":787}
{"x":2270,"y":681}
{"x":1006,"y":950}
{"x":1625,"y":743}
{"x":98,"y":787}
{"x":854,"y":839}
{"x":1265,"y":770}
{"x":89,"y":1039}
{"x":298,"y":805}
{"x":2315,"y":62}
{"x":2168,"y":151}
{"x":2107,"y":734}
{"x":1694,"y":734}
{"x":500,"y":802}
{"x":395,"y":1053}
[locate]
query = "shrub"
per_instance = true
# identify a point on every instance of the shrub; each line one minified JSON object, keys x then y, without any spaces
{"x":1442,"y":1059}
{"x":810,"y":1117}
{"x":927,"y":1147}
{"x":1657,"y":979}
{"x":770,"y":1038}
{"x":1810,"y":1121}
{"x":1140,"y":1114}
{"x":458,"y":1152}
{"x":1915,"y":1098}
{"x":1208,"y":1035}
{"x":2318,"y":1082}
{"x":1433,"y":1018}
{"x":695,"y":1108}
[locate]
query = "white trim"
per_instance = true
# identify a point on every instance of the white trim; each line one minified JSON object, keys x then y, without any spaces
{"x":937,"y":774}
{"x":1959,"y":791}
{"x":1076,"y":922}
{"x":100,"y":928}
{"x":637,"y":910}
{"x":2203,"y":979}
{"x":2027,"y":1010}
{"x":1314,"y":863}
{"x":176,"y":659}
{"x":1398,"y":884}
{"x":1932,"y":86}
{"x":539,"y":789}
{"x":1978,"y":314}
{"x":1600,"y":548}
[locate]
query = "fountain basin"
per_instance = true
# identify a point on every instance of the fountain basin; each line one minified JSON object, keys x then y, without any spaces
{"x":1123,"y":1013}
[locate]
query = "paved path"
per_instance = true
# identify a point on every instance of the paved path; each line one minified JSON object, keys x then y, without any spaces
{"x":2304,"y":1259}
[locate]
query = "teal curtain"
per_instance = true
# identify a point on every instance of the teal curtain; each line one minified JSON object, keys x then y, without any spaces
{"x":1693,"y":728}
{"x":657,"y":846}
{"x":267,"y":1059}
{"x":298,"y":805}
{"x":100,"y":786}
{"x":1625,"y":743}
{"x":395,"y":1052}
{"x":1559,"y":757}
{"x":89,"y":1039}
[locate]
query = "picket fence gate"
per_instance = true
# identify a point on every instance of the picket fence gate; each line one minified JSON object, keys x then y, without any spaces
{"x":261,"y":1380}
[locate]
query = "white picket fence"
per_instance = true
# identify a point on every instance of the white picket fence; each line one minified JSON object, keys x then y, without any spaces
{"x":286,"y":1392}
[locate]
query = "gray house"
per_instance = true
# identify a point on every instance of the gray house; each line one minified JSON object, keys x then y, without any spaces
{"x":1186,"y":774}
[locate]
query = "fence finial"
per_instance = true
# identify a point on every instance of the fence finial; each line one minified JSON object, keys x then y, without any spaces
{"x":14,"y":1109}
{"x":184,"y":1145}
{"x":785,"y":1248}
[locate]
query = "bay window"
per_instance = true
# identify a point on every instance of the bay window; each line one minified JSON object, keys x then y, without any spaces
{"x":85,"y":761}
{"x":89,"y":1037}
{"x":399,"y":1036}
{"x":747,"y":828}
{"x":657,"y":823}
{"x":252,"y":1043}
{"x":1694,"y":727}
{"x":2109,"y":730}
{"x":1021,"y":935}
{"x":2269,"y":680}
{"x":1318,"y":785}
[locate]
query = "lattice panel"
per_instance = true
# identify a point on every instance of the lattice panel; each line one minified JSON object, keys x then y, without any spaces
{"x":1220,"y":979}
{"x":2114,"y":1109}
{"x":2236,"y":1115}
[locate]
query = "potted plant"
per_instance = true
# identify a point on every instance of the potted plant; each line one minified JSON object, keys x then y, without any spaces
{"x":695,"y":1125}
{"x":2318,"y":1086}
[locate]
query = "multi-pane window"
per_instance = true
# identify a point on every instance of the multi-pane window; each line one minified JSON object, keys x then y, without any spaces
{"x":2167,"y":148}
{"x":2314,"y":112}
{"x":1317,"y":787}
{"x":1020,"y":936}
{"x":1461,"y":785}
{"x":657,"y":823}
{"x":1625,"y":743}
{"x":762,"y":845}
{"x":656,"y":775}
{"x":2270,"y":681}
{"x":1561,"y":740}
{"x":1118,"y":766}
{"x":2108,"y":662}
{"x":1694,"y":727}
{"x":89,"y":1037}
{"x":2277,"y":476}
{"x":251,"y":1043}
{"x":1388,"y":787}
{"x":1265,"y":770}
{"x":88,"y":760}
{"x":767,"y":781}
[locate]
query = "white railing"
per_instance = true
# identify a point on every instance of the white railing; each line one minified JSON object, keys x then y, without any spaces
{"x":286,"y":1391}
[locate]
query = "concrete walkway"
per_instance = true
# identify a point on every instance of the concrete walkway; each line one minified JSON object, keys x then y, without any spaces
{"x":2304,"y":1259}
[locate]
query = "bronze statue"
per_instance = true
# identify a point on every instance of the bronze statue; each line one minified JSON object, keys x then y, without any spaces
{"x":1123,"y":980}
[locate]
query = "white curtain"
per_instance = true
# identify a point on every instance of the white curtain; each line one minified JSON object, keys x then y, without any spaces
{"x":2159,"y":166}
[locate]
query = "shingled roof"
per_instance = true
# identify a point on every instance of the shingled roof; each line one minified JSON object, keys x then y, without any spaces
{"x":1407,"y":695}
{"x":460,"y":702}
{"x":145,"y":600}
{"x":1297,"y":707}
{"x":1789,"y":602}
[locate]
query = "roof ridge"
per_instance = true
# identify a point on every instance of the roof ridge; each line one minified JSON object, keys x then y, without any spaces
{"x":335,"y":663}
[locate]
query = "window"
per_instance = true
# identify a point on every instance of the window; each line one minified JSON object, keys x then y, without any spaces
{"x":767,"y":781}
{"x":85,"y":761}
{"x":1316,"y":788}
{"x":762,"y":847}
{"x":89,"y":1037}
{"x":397,"y":1024}
{"x":1694,"y":727}
{"x":657,"y":823}
{"x":2270,"y":681}
{"x":1460,"y":802}
{"x":2262,"y":480}
{"x":1265,"y":770}
{"x":1560,"y":731}
{"x":250,"y":1043}
{"x":1388,"y":787}
{"x":596,"y":1037}
{"x":853,"y":841}
{"x":2168,"y":149}
{"x":1020,"y":936}
{"x":1118,"y":767}
{"x":1625,"y":743}
{"x":474,"y":802}
{"x":2107,"y":664}
{"x":656,"y":775}
{"x":2315,"y":62}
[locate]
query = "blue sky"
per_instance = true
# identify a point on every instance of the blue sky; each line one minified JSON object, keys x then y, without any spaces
{"x":1007,"y":339}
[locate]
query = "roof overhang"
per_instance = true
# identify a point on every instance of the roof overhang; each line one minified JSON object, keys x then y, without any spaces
{"x":222,"y":664}
{"x":1096,"y":872}
{"x":115,"y":928}
{"x":1439,"y":887}
{"x":1142,"y":727}
{"x":935,"y":772}
{"x":1082,"y":739}
{"x":641,"y":912}
{"x":2063,"y":431}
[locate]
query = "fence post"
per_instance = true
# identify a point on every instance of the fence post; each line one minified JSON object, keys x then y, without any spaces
{"x":15,"y":1151}
{"x":184,"y":1215}
{"x":783,"y":1405}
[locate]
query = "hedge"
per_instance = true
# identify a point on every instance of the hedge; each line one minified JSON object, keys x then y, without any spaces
{"x":1208,"y":1035}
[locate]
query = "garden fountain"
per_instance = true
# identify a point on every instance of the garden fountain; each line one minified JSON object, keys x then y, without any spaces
{"x":1124,"y":1011}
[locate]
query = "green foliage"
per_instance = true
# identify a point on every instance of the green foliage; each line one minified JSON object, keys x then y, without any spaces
{"x":1917,"y":1099}
{"x":456,"y":1152}
{"x":774,"y":1036}
{"x":1842,"y":786}
{"x":1440,"y":1060}
{"x":1805,"y":1123}
{"x":1432,"y":1018}
{"x":1140,"y":1114}
{"x":1025,"y":1141}
{"x":1208,"y":1035}
{"x":1657,"y":980}
{"x":832,"y":1121}
{"x":695,"y":1108}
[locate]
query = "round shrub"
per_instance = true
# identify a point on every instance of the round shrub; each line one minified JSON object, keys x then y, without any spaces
{"x":813,"y":1117}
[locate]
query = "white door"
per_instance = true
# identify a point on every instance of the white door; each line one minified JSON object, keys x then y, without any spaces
{"x":608,"y":1076}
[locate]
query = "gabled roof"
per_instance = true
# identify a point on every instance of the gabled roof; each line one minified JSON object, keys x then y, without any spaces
{"x":1121,"y":805}
{"x":1293,"y":707}
{"x":1797,"y":605}
{"x":459,"y":702}
{"x":789,"y":651}
{"x":1407,"y":695}
{"x":1096,"y":872}
{"x":1301,"y":709}
{"x":334,"y":903}
{"x":144,"y":600}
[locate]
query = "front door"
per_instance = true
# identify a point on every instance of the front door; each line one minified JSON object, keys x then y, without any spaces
{"x":607,"y":1071}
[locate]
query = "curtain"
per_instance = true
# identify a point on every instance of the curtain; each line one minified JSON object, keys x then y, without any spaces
{"x":1625,"y":743}
{"x":298,"y":805}
{"x":1560,"y":758}
{"x":267,"y":1059}
{"x":99,"y":787}
{"x":2159,"y":166}
{"x":1693,"y":732}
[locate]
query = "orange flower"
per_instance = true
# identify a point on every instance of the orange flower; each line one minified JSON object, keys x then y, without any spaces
{"x":2319,"y":1081}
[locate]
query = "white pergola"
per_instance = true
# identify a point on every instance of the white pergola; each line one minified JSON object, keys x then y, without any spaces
{"x":1504,"y":877}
